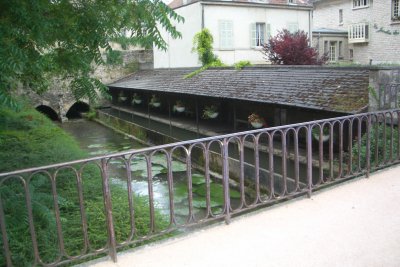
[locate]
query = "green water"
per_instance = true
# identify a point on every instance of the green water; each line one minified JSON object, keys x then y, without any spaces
{"x":97,"y":139}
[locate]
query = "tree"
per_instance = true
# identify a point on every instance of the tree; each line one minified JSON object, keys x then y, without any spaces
{"x":291,"y":49}
{"x":44,"y":39}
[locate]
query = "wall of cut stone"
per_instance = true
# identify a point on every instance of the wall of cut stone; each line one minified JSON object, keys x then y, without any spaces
{"x":59,"y":96}
{"x":384,"y":33}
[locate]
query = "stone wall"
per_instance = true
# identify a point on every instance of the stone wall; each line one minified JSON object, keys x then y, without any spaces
{"x":59,"y":96}
{"x":384,"y":88}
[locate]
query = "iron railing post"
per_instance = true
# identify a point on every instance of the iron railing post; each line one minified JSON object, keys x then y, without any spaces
{"x":368,"y":148}
{"x":309,"y":161}
{"x":6,"y":246}
{"x":225,"y":176}
{"x":112,"y":246}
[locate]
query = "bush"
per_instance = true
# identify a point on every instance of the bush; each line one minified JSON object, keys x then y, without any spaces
{"x":29,"y":139}
{"x":291,"y":49}
{"x":202,"y":44}
{"x":241,"y":64}
{"x":114,"y":58}
{"x":377,"y":145}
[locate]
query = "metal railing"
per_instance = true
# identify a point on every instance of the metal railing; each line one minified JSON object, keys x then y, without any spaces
{"x":334,"y":150}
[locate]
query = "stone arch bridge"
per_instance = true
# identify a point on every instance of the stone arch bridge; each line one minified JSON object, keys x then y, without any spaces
{"x":59,"y":103}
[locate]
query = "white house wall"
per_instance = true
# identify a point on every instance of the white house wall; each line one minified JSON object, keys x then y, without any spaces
{"x":242,"y":18}
{"x":382,"y":47}
{"x":179,"y":53}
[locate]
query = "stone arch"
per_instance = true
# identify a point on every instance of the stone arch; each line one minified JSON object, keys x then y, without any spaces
{"x":48,"y":111}
{"x":76,"y":110}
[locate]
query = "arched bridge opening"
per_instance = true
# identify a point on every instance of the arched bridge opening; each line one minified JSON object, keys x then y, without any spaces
{"x":76,"y":110}
{"x":48,"y":111}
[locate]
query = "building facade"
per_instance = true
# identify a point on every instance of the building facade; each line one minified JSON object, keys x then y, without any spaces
{"x":373,"y":30}
{"x":239,"y":29}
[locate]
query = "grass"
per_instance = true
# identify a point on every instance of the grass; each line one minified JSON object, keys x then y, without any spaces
{"x":29,"y":139}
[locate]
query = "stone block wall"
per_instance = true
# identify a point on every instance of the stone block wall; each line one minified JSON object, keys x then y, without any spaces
{"x":384,"y":37}
{"x":384,"y":88}
{"x":59,"y":97}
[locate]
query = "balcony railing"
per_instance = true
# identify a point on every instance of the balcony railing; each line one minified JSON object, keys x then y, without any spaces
{"x":333,"y":150}
{"x":359,"y":33}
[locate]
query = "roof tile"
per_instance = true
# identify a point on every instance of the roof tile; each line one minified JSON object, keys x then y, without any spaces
{"x":322,"y":88}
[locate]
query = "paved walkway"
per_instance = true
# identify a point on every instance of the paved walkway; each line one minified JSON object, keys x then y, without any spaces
{"x":353,"y":224}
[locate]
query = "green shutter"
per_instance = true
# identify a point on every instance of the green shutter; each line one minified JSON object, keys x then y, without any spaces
{"x":269,"y":34}
{"x":252,"y":35}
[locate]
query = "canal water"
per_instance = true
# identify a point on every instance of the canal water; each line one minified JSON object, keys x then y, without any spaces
{"x":97,"y":139}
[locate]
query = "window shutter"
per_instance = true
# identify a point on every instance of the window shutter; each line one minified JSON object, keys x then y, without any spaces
{"x":225,"y":34}
{"x":229,"y":31}
{"x":253,"y":35}
{"x":268,"y":31}
{"x":221,"y":33}
{"x":293,"y":27}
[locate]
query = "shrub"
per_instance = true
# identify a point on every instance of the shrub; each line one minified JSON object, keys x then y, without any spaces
{"x":377,"y":145}
{"x":202,"y":44}
{"x":29,"y":139}
{"x":241,"y":64}
{"x":291,"y":49}
{"x":114,"y":58}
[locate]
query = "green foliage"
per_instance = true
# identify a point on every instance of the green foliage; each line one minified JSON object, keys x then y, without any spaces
{"x":114,"y":57}
{"x":29,"y":139}
{"x":202,"y":45}
{"x":91,"y":115}
{"x":131,"y":67}
{"x":241,"y":64}
{"x":377,"y":145}
{"x":42,"y":39}
{"x":214,"y":64}
{"x":373,"y":93}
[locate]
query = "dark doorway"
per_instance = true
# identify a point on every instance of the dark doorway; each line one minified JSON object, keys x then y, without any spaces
{"x":76,"y":110}
{"x":48,"y":111}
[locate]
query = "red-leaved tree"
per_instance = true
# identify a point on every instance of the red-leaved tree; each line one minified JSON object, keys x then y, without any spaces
{"x":292,"y":49}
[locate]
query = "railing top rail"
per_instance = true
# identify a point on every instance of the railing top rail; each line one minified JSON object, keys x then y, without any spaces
{"x":182,"y":143}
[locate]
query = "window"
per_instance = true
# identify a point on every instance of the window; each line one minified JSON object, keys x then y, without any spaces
{"x":225,"y":34}
{"x":360,"y":3}
{"x":332,"y":51}
{"x":340,"y":48}
{"x":351,"y":52}
{"x":358,"y":33}
{"x":395,"y":9}
{"x":293,"y":27}
{"x":257,"y":34}
{"x":340,"y":16}
{"x":290,"y":1}
{"x":326,"y":46}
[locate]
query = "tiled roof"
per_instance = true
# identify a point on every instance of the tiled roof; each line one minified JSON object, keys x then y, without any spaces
{"x":178,"y":3}
{"x":323,"y":88}
{"x":327,"y":30}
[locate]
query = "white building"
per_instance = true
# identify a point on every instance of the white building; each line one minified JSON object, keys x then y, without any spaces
{"x":239,"y":28}
{"x":373,"y":30}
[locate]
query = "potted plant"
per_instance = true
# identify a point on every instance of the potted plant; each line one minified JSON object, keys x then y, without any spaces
{"x":179,"y":107}
{"x":155,"y":101}
{"x":325,"y":133}
{"x":210,"y":112}
{"x":256,"y":120}
{"x":121,"y":97}
{"x":136,"y":99}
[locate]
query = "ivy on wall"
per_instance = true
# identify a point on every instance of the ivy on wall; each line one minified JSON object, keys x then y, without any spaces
{"x":386,"y":31}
